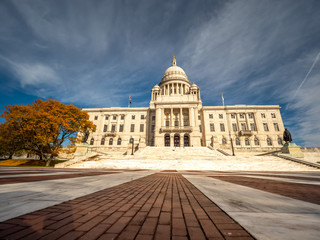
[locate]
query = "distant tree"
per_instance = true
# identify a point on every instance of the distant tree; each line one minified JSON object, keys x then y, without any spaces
{"x":45,"y":125}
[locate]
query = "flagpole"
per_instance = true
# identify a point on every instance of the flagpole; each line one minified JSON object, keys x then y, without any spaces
{"x":222,"y":98}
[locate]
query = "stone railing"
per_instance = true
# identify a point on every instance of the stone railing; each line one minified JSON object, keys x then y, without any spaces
{"x":175,"y":129}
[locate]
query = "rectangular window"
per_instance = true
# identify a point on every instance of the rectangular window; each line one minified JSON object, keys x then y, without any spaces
{"x":211,"y":127}
{"x":132,"y":128}
{"x":233,"y":116}
{"x":153,"y":118}
{"x":152,"y":128}
{"x":133,"y":117}
{"x":221,"y":116}
{"x":105,"y":128}
{"x":107,"y":117}
{"x":222,"y":129}
{"x":141,"y":127}
{"x":95,"y":117}
{"x":273,"y":115}
{"x":186,"y":123}
{"x":276,"y":127}
{"x":142,"y":116}
{"x":176,"y":123}
{"x":167,"y":123}
{"x":243,"y":127}
{"x":242,"y":115}
{"x":265,"y":127}
{"x":252,"y":127}
{"x":122,"y":117}
{"x":199,"y":118}
{"x":211,"y":116}
{"x":234,"y":127}
{"x":250,"y":115}
{"x":113,"y":128}
{"x":121,"y":128}
{"x":200,"y":128}
{"x":263,"y":115}
{"x":114,"y":117}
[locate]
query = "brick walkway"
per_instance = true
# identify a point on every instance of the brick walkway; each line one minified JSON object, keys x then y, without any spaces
{"x":159,"y":206}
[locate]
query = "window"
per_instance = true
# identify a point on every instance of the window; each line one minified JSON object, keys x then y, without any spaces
{"x":141,"y":127}
{"x":121,"y":128}
{"x":122,"y":117}
{"x":142,"y":116}
{"x":263,"y":115}
{"x":152,"y":128}
{"x":152,"y":142}
{"x":233,"y":116}
{"x":211,"y":127}
{"x":247,"y":142}
{"x":211,"y":116}
{"x":119,"y":141}
{"x":201,"y":142}
{"x":167,"y":123}
{"x":273,"y":115}
{"x":250,"y":115}
{"x":132,"y":128}
{"x":256,"y":142}
{"x":200,"y":128}
{"x":234,"y":127}
{"x":105,"y":128}
{"x":222,"y":127}
{"x":199,"y":118}
{"x":114,"y":117}
{"x":238,"y":141}
{"x":110,"y":141}
{"x":252,"y":127}
{"x":276,"y":127}
{"x":91,"y":141}
{"x":224,"y":140}
{"x":95,"y":117}
{"x":280,"y":141}
{"x":221,"y":116}
{"x":107,"y":117}
{"x":133,"y":117}
{"x":269,"y":142}
{"x":102,"y":141}
{"x":265,"y":127}
{"x":113,"y":128}
{"x":241,"y":115}
{"x":153,"y":118}
{"x":243,"y":127}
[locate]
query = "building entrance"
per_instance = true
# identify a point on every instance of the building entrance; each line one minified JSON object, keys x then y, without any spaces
{"x":186,"y":141}
{"x":177,"y":141}
{"x":167,"y":141}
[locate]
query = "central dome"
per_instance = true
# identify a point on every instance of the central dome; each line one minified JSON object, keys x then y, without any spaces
{"x":174,"y":73}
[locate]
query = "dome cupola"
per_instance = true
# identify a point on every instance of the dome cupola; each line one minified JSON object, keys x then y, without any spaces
{"x":174,"y":73}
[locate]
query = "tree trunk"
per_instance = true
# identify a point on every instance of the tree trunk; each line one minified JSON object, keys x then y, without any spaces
{"x":40,"y":156}
{"x":48,"y":162}
{"x":10,"y":156}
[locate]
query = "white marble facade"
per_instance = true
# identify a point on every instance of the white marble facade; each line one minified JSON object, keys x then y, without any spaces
{"x":176,"y":117}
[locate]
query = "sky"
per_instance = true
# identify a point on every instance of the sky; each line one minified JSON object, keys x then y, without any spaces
{"x":95,"y":53}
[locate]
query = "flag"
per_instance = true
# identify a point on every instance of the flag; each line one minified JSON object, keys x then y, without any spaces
{"x":129,"y":101}
{"x":222,"y":98}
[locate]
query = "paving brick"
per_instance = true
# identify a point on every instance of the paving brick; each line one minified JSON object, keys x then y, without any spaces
{"x":95,"y":232}
{"x":154,"y":212}
{"x":210,"y":229}
{"x":113,"y":218}
{"x":149,"y":226}
{"x":162,"y":232}
{"x":90,"y":224}
{"x":165,"y":218}
{"x":119,"y":225}
{"x":129,"y":232}
{"x":72,"y":235}
{"x":108,"y":236}
{"x":179,"y":227}
{"x":196,"y":233}
{"x":139,"y":218}
{"x":144,"y":237}
{"x":191,"y":220}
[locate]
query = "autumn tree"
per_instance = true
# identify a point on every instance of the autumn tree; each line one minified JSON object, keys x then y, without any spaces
{"x":45,"y":125}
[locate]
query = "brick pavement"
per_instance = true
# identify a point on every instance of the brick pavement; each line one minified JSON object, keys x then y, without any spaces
{"x":159,"y":206}
{"x":305,"y":192}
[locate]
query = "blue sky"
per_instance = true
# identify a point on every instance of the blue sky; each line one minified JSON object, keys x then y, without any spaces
{"x":97,"y":53}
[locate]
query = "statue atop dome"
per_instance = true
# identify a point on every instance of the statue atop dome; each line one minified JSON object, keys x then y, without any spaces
{"x":174,"y":62}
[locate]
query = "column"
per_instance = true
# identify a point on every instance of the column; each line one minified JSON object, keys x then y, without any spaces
{"x":191,"y":117}
{"x":181,"y":120}
{"x":171,"y":118}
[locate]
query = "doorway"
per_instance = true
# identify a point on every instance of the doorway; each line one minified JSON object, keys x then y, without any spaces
{"x":177,"y":141}
{"x":167,"y":141}
{"x":186,"y":141}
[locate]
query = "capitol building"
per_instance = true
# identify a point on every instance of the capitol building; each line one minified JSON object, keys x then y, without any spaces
{"x":177,"y":118}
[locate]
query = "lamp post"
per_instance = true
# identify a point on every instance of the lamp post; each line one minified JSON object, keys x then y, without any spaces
{"x":132,"y":141}
{"x":232,"y":145}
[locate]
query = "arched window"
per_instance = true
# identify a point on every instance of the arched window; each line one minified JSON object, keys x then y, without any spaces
{"x":269,"y":142}
{"x":119,"y":141}
{"x":110,"y":141}
{"x":256,"y":142}
{"x":91,"y":141}
{"x":224,"y":140}
{"x":247,"y":142}
{"x":280,"y":141}
{"x":102,"y":141}
{"x":238,"y":141}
